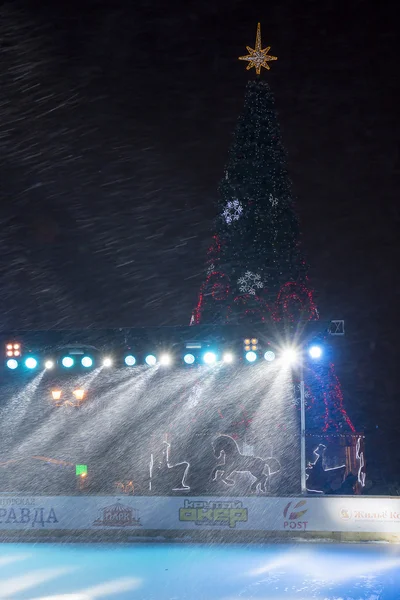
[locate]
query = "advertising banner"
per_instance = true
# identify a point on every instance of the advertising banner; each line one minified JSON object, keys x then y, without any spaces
{"x":130,"y":513}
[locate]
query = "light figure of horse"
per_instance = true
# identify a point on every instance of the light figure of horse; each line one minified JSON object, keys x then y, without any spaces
{"x":236,"y":462}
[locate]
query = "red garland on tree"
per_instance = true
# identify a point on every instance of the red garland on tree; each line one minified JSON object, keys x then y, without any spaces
{"x":255,"y":268}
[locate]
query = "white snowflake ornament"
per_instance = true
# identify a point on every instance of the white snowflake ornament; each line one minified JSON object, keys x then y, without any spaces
{"x":232,"y":211}
{"x":210,"y":269}
{"x":250,"y":282}
{"x":273,"y":200}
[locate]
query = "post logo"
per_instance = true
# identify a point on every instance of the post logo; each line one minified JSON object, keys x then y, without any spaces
{"x":292,"y":516}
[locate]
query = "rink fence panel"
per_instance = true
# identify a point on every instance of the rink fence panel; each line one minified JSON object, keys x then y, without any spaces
{"x":138,"y":513}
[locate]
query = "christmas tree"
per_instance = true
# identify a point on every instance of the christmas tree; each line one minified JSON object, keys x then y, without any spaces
{"x":255,"y":268}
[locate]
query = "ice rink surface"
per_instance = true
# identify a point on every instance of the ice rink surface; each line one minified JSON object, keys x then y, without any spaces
{"x":158,"y":571}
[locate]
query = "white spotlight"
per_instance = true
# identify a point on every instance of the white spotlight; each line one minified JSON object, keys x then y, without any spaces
{"x":269,"y":355}
{"x":49,"y":364}
{"x":107,"y":362}
{"x":189,"y":359}
{"x":86,"y":361}
{"x":228,"y":358}
{"x":165,"y":359}
{"x":130,"y":360}
{"x":67,"y":362}
{"x":289,"y":356}
{"x":251,"y":356}
{"x":151,"y":360}
{"x":31,"y":363}
{"x":209,"y":358}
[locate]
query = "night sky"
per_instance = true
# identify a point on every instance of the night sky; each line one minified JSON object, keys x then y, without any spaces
{"x":115,"y":122}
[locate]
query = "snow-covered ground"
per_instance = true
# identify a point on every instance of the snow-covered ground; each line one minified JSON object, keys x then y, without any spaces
{"x":194,"y":572}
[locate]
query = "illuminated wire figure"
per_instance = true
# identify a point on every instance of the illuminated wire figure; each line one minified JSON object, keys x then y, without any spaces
{"x":235,"y":462}
{"x":162,"y":467}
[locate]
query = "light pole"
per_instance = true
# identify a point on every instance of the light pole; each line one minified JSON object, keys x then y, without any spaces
{"x":302,"y":430}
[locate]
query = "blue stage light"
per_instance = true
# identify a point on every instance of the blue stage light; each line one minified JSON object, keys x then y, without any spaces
{"x":67,"y":362}
{"x":189,"y":359}
{"x":130,"y":360}
{"x":31,"y":363}
{"x":315,"y":351}
{"x":251,"y":356}
{"x":151,"y":360}
{"x":269,"y":355}
{"x":87,"y":361}
{"x":12,"y":363}
{"x":209,"y":358}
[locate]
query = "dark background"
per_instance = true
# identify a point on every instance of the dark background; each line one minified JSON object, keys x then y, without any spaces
{"x":115,"y":121}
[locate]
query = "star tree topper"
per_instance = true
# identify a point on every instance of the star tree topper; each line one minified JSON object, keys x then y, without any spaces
{"x":257,"y":56}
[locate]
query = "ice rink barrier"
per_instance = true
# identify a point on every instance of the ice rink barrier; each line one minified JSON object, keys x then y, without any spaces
{"x":148,"y":514}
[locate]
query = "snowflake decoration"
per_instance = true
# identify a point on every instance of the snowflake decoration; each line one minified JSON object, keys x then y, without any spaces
{"x":273,"y":200}
{"x":232,"y":211}
{"x":296,"y":395}
{"x":210,"y":269}
{"x":250,"y":282}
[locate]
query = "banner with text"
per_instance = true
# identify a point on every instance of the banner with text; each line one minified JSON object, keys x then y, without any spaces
{"x":130,"y":513}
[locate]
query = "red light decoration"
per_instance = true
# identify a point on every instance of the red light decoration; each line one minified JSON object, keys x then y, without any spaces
{"x":220,"y":289}
{"x":295,"y":300}
{"x":334,"y":414}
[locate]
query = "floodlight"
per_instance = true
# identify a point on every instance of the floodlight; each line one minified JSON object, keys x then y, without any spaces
{"x":87,"y":361}
{"x":130,"y":360}
{"x":150,"y":360}
{"x":251,"y":356}
{"x":165,"y":360}
{"x":189,"y":359}
{"x":31,"y":363}
{"x":12,"y":363}
{"x":289,"y":356}
{"x":67,"y":362}
{"x":227,"y":357}
{"x":209,"y":358}
{"x":315,"y":351}
{"x":269,"y":355}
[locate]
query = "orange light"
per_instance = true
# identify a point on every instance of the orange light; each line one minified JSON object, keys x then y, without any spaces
{"x":254,"y":347}
{"x":56,"y":394}
{"x":247,"y":348}
{"x":83,"y":475}
{"x":247,"y":342}
{"x":79,"y":394}
{"x":13,"y":349}
{"x":254,"y":341}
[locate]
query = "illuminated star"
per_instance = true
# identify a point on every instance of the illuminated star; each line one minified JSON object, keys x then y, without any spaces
{"x":257,"y":56}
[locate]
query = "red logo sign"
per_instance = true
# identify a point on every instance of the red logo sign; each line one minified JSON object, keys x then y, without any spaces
{"x":292,"y":515}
